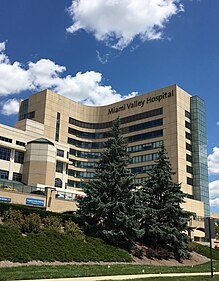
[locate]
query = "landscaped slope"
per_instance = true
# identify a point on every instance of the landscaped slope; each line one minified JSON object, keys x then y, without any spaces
{"x":51,"y":245}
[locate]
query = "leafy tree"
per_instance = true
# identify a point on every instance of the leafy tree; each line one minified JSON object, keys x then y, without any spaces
{"x":164,"y":220}
{"x":111,"y":209}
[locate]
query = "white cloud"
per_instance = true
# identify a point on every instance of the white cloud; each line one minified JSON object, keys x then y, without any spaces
{"x":213,"y":162}
{"x":218,"y":123}
{"x":102,"y":58}
{"x":214,"y":189}
{"x":214,"y":193}
{"x":10,"y":107}
{"x":214,"y":202}
{"x":83,"y":87}
{"x":13,"y":78}
{"x":118,"y":22}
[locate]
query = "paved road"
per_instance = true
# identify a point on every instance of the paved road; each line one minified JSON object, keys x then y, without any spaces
{"x":126,"y":277}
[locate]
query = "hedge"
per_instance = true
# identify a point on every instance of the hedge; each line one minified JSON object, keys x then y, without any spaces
{"x":27,"y":210}
{"x":51,"y":245}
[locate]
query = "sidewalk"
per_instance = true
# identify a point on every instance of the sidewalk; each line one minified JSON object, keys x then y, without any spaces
{"x":124,"y":277}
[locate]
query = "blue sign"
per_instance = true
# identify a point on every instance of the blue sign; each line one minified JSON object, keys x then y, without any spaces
{"x":5,"y":199}
{"x":35,"y":202}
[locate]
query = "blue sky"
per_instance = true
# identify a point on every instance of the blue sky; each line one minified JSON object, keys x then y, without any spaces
{"x":104,"y":50}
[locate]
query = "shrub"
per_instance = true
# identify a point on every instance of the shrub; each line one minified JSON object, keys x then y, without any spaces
{"x":158,"y":253}
{"x":52,"y":222}
{"x":71,"y":228}
{"x":27,"y":210}
{"x":32,"y":223}
{"x":13,"y":218}
{"x":138,"y":252}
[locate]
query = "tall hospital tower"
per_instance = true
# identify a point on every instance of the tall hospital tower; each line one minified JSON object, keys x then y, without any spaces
{"x":168,"y":116}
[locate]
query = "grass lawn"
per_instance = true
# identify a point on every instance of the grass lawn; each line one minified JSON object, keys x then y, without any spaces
{"x":186,"y":278}
{"x":37,"y":272}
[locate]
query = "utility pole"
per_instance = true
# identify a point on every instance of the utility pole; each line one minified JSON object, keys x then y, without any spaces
{"x":209,"y":234}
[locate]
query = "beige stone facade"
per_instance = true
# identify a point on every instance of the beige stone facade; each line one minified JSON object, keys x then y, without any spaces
{"x":169,"y":115}
{"x":26,"y":153}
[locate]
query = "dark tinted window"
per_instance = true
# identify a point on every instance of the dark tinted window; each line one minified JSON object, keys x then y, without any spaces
{"x":189,"y":181}
{"x":188,"y":146}
{"x":4,"y":174}
{"x":187,"y":114}
{"x":5,"y":139}
{"x":188,"y":125}
{"x":60,"y":153}
{"x":149,"y":135}
{"x":189,"y":170}
{"x":188,"y":136}
{"x":19,"y":157}
{"x":124,"y":120}
{"x":188,"y":158}
{"x":59,"y":167}
{"x":20,"y":143}
{"x":5,"y":153}
{"x":17,"y":177}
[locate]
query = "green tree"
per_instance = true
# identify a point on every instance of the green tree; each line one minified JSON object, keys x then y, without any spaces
{"x":164,"y":220}
{"x":111,"y":208}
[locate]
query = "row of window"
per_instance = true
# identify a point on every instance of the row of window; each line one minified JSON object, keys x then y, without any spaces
{"x":79,"y":174}
{"x":5,"y":174}
{"x":149,"y":135}
{"x":144,"y":158}
{"x":123,"y":120}
{"x":143,"y":126}
{"x":84,"y":154}
{"x":84,"y":144}
{"x":131,"y":149}
{"x":141,"y":169}
{"x":5,"y":154}
{"x":82,"y":164}
{"x":10,"y":141}
{"x":189,"y":169}
{"x":77,"y":184}
{"x":145,"y":146}
{"x":80,"y":184}
{"x":88,"y":135}
{"x":134,"y":160}
{"x":138,"y":127}
{"x":5,"y":139}
{"x":96,"y":145}
{"x":57,"y":126}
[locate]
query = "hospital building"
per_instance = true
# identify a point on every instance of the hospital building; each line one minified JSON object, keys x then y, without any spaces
{"x":57,"y":142}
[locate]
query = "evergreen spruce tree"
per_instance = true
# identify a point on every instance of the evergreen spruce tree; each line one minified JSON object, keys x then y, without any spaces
{"x":164,"y":220}
{"x":111,"y":209}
